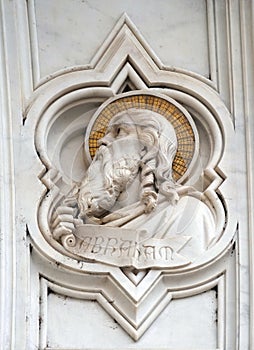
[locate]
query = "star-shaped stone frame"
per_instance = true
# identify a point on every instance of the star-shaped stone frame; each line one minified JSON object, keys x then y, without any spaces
{"x":133,"y":298}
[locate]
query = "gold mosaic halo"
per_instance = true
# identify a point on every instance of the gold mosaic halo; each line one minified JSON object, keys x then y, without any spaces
{"x":186,"y":138}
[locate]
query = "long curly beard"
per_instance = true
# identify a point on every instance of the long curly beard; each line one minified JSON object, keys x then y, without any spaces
{"x":105,"y":180}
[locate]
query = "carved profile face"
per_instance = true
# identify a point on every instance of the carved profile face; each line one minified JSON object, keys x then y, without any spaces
{"x":132,"y":138}
{"x":114,"y":168}
{"x":123,"y":139}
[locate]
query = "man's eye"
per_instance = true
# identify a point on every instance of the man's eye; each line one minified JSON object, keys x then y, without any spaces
{"x":118,"y":131}
{"x":122,"y":131}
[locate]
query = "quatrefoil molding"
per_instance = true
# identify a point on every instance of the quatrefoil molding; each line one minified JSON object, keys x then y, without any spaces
{"x":126,"y":59}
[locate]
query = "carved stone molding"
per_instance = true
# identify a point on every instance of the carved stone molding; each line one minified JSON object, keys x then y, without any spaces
{"x":58,"y":116}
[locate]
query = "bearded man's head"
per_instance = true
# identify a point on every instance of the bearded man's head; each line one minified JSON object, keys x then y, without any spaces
{"x":139,"y":145}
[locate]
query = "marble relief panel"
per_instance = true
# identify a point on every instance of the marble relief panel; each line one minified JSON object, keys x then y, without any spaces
{"x":135,"y":208}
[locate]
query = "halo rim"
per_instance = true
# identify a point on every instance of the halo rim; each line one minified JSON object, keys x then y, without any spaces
{"x":179,"y":178}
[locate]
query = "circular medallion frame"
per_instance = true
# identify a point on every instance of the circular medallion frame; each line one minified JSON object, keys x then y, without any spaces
{"x":180,"y":119}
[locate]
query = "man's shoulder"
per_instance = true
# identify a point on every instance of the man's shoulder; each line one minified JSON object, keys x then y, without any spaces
{"x":192,"y":204}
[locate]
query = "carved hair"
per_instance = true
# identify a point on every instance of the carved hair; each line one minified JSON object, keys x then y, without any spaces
{"x":160,"y":145}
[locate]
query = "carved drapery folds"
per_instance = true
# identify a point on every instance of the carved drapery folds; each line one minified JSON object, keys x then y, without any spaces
{"x":136,"y":173}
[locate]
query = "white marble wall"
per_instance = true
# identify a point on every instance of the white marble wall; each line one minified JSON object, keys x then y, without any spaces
{"x":86,"y":25}
{"x":45,"y":39}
